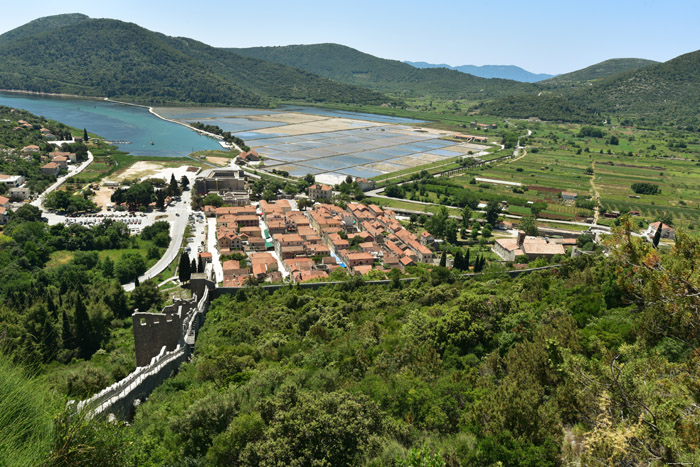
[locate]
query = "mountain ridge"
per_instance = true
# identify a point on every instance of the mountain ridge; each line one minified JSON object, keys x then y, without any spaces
{"x":513,"y":72}
{"x":351,"y":66}
{"x":106,"y":57}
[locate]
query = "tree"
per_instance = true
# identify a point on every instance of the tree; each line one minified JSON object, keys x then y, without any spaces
{"x":537,"y":207}
{"x":657,"y":236}
{"x":459,"y":260}
{"x":184,"y":182}
{"x":529,"y":225}
{"x":173,"y":188}
{"x":493,"y":210}
{"x":310,"y":179}
{"x":451,"y":230}
{"x":130,"y":266}
{"x":183,"y":269}
{"x":83,"y":330}
{"x":443,"y":259}
{"x":466,"y":260}
{"x":193,"y":267}
{"x":212,"y":199}
{"x":160,"y":199}
{"x":147,"y":296}
{"x":304,"y":203}
{"x":86,"y":138}
{"x":466,"y":216}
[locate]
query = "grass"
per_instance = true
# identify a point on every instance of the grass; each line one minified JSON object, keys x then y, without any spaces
{"x":61,"y":257}
{"x":26,"y":417}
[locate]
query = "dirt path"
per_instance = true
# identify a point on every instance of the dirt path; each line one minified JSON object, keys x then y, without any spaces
{"x":596,"y":196}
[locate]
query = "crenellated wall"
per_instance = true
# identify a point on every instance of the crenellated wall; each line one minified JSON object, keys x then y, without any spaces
{"x":175,"y":332}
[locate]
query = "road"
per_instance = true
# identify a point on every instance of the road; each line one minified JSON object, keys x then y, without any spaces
{"x":177,"y":217}
{"x":212,"y":248}
{"x":72,"y":171}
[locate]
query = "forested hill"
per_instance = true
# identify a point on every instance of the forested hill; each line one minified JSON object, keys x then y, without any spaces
{"x":42,"y":24}
{"x":666,"y":93}
{"x":598,"y":71}
{"x":351,"y":66}
{"x":103,"y":57}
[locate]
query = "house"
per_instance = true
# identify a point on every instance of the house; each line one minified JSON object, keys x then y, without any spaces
{"x":320,"y":191}
{"x":4,"y":202}
{"x":20,"y":192}
{"x":11,"y":181}
{"x":232,"y":269}
{"x":62,"y":161}
{"x":532,"y":247}
{"x":31,"y":149}
{"x":666,"y":230}
{"x":246,"y":157}
{"x":366,"y":184}
{"x":263,"y":264}
{"x":205,"y":257}
{"x":568,"y":196}
{"x":426,"y":238}
{"x":3,"y":215}
{"x":425,"y":254}
{"x":52,"y":168}
{"x":359,"y":259}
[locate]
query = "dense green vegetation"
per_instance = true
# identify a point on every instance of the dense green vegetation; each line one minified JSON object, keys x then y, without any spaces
{"x":351,"y":66}
{"x":102,"y":57}
{"x":598,"y":71}
{"x":661,"y":94}
{"x":581,"y":365}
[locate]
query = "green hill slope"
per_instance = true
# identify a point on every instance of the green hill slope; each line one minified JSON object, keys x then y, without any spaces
{"x":41,"y":25}
{"x":598,"y":71}
{"x":103,"y":57}
{"x":351,"y":66}
{"x":665,"y":93}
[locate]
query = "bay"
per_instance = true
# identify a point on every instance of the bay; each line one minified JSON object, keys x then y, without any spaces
{"x":115,"y":122}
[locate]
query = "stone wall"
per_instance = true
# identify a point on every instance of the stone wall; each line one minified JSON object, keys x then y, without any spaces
{"x":180,"y":325}
{"x":152,"y":332}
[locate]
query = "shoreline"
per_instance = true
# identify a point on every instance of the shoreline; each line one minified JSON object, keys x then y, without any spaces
{"x":107,"y":99}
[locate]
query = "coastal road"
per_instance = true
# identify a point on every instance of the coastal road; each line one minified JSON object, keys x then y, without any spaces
{"x":177,"y":217}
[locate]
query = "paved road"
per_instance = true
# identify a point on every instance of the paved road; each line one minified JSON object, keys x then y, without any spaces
{"x":212,"y":248}
{"x":72,"y":170}
{"x":177,"y":217}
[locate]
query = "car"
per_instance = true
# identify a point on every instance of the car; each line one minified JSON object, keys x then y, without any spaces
{"x":177,"y":214}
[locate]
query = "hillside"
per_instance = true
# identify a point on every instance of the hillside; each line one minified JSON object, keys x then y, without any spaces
{"x":103,"y":57}
{"x":657,"y":94}
{"x":42,"y":24}
{"x":599,"y":70}
{"x":491,"y":71}
{"x":351,"y":66}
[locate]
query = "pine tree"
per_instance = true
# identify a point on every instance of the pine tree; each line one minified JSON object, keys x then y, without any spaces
{"x":443,"y":259}
{"x":183,"y":270}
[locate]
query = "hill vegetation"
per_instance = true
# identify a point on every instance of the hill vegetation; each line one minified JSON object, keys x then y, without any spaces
{"x":351,"y":66}
{"x":598,"y":71}
{"x":102,"y":57}
{"x":661,"y":94}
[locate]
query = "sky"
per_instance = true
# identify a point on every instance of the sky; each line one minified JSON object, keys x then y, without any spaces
{"x":542,"y":36}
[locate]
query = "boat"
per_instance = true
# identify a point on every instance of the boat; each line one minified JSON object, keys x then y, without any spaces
{"x":152,"y":143}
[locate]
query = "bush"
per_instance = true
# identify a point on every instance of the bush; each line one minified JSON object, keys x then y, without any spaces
{"x":646,"y":188}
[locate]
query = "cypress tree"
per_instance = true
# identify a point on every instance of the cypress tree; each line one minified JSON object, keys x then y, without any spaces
{"x":466,"y":260}
{"x":200,"y":265}
{"x":459,"y":262}
{"x":657,"y":236}
{"x":86,"y":138}
{"x":66,"y":335}
{"x":83,"y":329}
{"x":183,"y":269}
{"x":193,"y":268}
{"x":443,"y":259}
